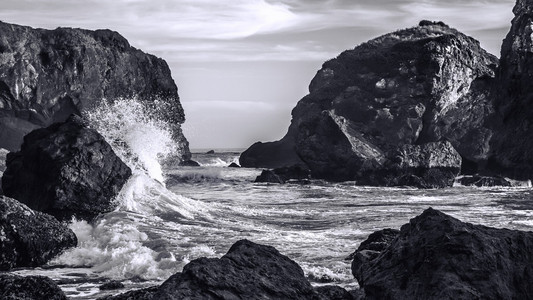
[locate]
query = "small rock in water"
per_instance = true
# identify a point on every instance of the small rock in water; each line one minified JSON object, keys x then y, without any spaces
{"x":233,"y":165}
{"x":482,"y":181}
{"x":112,"y":285}
{"x":189,"y":163}
{"x":210,"y":152}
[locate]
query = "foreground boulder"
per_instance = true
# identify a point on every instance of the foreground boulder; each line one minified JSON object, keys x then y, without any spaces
{"x":47,"y":75}
{"x":29,"y":238}
{"x":66,"y":169}
{"x":29,"y":288}
{"x":512,"y":145}
{"x":247,"y":271}
{"x":415,"y":86}
{"x":295,"y":173}
{"x":436,"y":256}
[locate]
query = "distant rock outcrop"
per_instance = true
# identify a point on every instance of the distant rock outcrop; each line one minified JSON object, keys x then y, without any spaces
{"x":29,"y":238}
{"x":512,"y":145}
{"x":415,"y":86}
{"x":47,"y":75}
{"x":66,"y":169}
{"x":436,"y":256}
{"x":13,"y":287}
{"x":247,"y":271}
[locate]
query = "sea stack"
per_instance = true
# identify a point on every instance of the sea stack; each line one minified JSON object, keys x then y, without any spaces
{"x":47,"y":75}
{"x":403,"y":90}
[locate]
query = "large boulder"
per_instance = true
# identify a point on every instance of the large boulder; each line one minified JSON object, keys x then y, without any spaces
{"x":247,"y":271}
{"x":14,"y":287}
{"x":66,"y":169}
{"x":29,"y":238}
{"x":512,"y":145}
{"x":436,"y":256}
{"x":420,"y":85}
{"x":47,"y":75}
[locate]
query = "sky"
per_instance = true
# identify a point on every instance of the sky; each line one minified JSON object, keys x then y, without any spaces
{"x":242,"y":65}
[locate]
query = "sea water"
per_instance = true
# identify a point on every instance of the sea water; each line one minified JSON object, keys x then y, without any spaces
{"x":169,"y":215}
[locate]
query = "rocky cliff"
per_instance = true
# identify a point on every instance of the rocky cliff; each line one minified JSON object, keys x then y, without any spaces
{"x":424,"y":84}
{"x":46,"y":75}
{"x":512,"y":145}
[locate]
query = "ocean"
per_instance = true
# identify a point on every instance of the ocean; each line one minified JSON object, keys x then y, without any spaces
{"x":169,"y":215}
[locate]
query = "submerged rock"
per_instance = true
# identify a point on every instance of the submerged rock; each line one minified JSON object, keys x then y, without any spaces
{"x":483,"y":181}
{"x":66,"y":169}
{"x":294,"y":173}
{"x":436,"y":256}
{"x":111,"y":285}
{"x":29,"y":238}
{"x":47,"y":75}
{"x":247,"y":271}
{"x":415,"y":86}
{"x":29,"y":288}
{"x":512,"y":144}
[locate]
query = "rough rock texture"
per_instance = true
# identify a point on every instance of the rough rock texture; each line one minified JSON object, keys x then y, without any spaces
{"x":46,"y":75}
{"x":425,"y":84}
{"x":271,"y":155}
{"x":512,"y":145}
{"x":29,"y":238}
{"x":66,"y":169}
{"x":3,"y":154}
{"x":14,"y":287}
{"x":247,"y":271}
{"x":436,"y":256}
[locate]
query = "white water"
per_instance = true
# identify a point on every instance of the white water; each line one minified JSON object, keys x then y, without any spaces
{"x":167,"y":217}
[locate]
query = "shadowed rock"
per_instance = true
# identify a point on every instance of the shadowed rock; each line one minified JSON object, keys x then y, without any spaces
{"x":415,"y":86}
{"x":47,"y":75}
{"x":66,"y":169}
{"x":14,"y":287}
{"x":29,"y":238}
{"x":436,"y":256}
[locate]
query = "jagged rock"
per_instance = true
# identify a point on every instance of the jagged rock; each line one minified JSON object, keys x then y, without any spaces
{"x":66,"y":169}
{"x":189,"y":163}
{"x":436,"y":256}
{"x":29,"y":238}
{"x":233,"y":165}
{"x":512,"y":145}
{"x":481,"y":181}
{"x":47,"y":75}
{"x":425,"y":84}
{"x":332,"y":292}
{"x":295,"y":173}
{"x":247,"y":271}
{"x":13,"y":287}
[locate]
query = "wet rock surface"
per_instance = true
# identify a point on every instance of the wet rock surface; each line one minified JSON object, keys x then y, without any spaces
{"x":29,"y":238}
{"x":294,"y":173}
{"x":47,"y":75}
{"x":66,"y":170}
{"x":436,"y":256}
{"x":415,"y":86}
{"x":14,"y":287}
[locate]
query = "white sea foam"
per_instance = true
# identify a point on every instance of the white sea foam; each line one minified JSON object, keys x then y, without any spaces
{"x":138,"y":137}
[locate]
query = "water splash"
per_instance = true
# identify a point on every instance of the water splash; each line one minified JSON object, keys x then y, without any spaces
{"x":136,"y":135}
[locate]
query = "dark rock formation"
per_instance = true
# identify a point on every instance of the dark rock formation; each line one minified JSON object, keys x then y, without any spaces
{"x":66,"y":169}
{"x":295,"y":173}
{"x":247,"y":271}
{"x":332,"y":292}
{"x":425,"y":84}
{"x":47,"y":75}
{"x":29,"y":238}
{"x":512,"y":145}
{"x":480,"y":181}
{"x":436,"y":256}
{"x":112,"y":285}
{"x":210,"y":152}
{"x":14,"y":287}
{"x":233,"y":165}
{"x":189,"y":163}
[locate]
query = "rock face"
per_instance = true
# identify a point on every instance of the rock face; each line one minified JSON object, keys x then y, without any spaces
{"x":29,"y":288}
{"x":512,"y":145}
{"x":46,"y":75}
{"x":436,"y":256}
{"x":296,"y":173}
{"x":66,"y":169}
{"x":421,"y":85}
{"x":29,"y":238}
{"x":247,"y":271}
